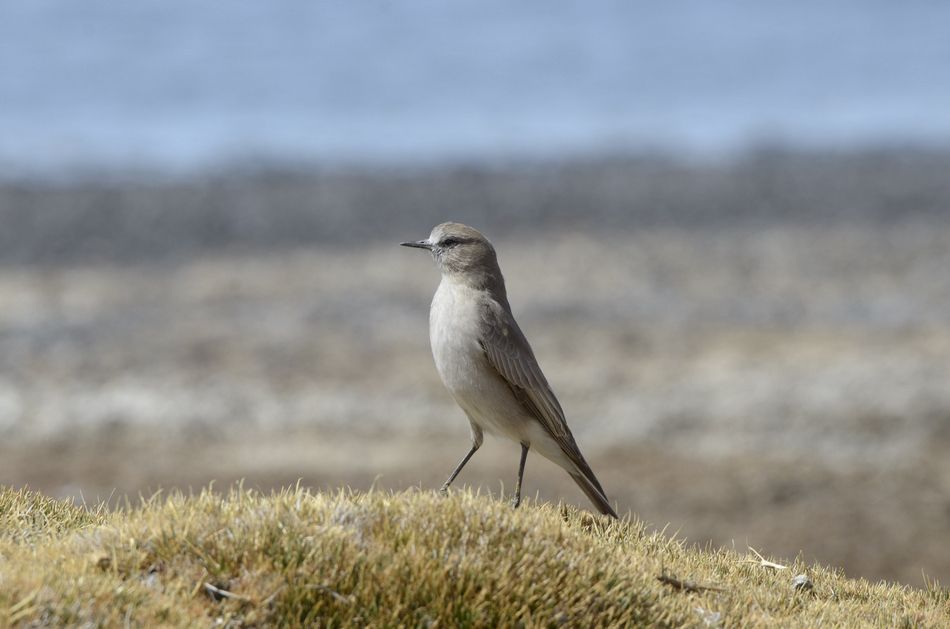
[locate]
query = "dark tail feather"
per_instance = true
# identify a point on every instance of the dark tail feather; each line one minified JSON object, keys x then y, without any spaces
{"x":592,"y":488}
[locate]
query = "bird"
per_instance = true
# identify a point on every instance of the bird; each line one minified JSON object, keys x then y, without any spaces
{"x":487,"y":364}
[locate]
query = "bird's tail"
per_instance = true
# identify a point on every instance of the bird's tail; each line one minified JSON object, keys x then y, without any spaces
{"x":592,"y":489}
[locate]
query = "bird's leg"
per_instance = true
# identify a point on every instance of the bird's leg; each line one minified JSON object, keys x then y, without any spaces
{"x":524,"y":457}
{"x":458,"y":468}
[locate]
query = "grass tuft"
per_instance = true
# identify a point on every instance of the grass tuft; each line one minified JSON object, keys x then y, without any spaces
{"x":296,"y":558}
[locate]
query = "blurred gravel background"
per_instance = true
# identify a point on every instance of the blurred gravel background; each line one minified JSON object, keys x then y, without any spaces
{"x":755,"y":351}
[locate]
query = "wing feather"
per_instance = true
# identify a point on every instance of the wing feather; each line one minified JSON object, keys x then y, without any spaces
{"x":509,"y":353}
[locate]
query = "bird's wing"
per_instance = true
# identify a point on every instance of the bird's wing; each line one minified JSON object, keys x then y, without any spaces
{"x":509,"y":353}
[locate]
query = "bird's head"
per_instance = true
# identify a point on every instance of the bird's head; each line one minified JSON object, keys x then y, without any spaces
{"x":459,"y":249}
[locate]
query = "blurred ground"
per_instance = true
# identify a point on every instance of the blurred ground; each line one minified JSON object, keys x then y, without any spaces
{"x":756,"y":353}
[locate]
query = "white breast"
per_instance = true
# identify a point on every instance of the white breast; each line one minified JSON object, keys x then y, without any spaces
{"x":453,"y":333}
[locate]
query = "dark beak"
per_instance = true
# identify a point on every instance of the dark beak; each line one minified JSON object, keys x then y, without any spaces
{"x":418,"y":244}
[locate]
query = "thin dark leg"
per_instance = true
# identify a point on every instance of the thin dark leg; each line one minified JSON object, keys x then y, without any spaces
{"x":445,"y":486}
{"x":524,"y":457}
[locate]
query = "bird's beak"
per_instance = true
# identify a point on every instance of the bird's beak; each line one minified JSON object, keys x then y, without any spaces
{"x":418,"y":244}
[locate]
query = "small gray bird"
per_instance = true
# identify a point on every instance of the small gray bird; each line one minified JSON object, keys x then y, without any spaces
{"x":486,"y":363}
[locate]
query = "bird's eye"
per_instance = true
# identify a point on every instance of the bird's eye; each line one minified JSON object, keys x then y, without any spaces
{"x":450,"y":242}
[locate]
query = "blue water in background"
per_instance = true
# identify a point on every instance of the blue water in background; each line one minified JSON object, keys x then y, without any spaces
{"x":177,"y":84}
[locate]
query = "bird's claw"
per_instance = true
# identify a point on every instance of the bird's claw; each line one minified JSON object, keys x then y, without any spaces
{"x":515,"y":502}
{"x":444,"y":491}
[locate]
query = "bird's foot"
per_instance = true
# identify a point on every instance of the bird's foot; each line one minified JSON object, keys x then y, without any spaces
{"x":444,"y":491}
{"x":515,"y":502}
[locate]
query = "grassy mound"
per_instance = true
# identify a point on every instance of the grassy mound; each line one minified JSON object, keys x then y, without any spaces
{"x":300,"y":559}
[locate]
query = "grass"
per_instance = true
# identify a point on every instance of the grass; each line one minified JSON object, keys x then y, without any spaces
{"x":296,"y":558}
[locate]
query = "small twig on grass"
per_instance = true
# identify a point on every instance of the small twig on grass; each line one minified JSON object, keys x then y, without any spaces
{"x":333,"y":593}
{"x":218,"y":593}
{"x":270,"y":599}
{"x":22,"y":609}
{"x":765,"y":563}
{"x":687,"y":586}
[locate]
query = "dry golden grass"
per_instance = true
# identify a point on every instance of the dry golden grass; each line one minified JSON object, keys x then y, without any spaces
{"x":296,"y":558}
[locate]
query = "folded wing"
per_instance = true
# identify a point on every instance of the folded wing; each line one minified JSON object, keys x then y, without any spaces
{"x":509,"y":353}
